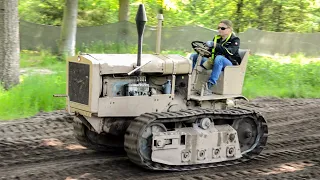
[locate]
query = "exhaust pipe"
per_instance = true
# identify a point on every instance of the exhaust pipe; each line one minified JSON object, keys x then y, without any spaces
{"x":141,"y":19}
{"x":159,"y":28}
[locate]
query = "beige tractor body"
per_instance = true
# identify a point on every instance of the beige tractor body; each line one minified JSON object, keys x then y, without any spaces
{"x":153,"y":107}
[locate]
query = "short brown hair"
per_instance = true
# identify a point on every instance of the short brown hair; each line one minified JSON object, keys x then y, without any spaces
{"x":227,"y":22}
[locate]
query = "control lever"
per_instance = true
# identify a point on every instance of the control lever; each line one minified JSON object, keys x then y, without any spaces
{"x":137,"y":68}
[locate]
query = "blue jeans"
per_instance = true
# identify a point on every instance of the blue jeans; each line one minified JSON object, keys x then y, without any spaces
{"x":220,"y":62}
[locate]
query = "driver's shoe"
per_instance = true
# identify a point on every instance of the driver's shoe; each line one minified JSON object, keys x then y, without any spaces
{"x":208,"y":90}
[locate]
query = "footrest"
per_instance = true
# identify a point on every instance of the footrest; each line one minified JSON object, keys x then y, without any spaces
{"x":213,"y":97}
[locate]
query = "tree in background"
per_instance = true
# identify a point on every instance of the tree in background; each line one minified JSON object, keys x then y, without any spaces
{"x":261,"y":6}
{"x":269,"y":15}
{"x":124,"y":10}
{"x":10,"y":43}
{"x":123,"y":17}
{"x":67,"y":41}
{"x":238,"y":16}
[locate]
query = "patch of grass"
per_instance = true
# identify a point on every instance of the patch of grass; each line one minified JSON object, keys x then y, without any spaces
{"x":265,"y":77}
{"x":42,"y":59}
{"x":32,"y":95}
{"x":35,"y":91}
{"x":176,"y":52}
{"x":297,"y":58}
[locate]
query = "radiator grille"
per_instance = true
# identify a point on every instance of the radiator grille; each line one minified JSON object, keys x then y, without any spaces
{"x":79,"y":83}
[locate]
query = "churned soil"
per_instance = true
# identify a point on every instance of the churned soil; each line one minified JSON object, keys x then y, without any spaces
{"x":43,"y":147}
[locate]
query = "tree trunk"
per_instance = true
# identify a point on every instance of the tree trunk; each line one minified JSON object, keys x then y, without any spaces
{"x":68,"y":29}
{"x":10,"y":43}
{"x":194,"y":7}
{"x":124,"y":10}
{"x":277,"y":14}
{"x":123,"y":27}
{"x":260,"y":11}
{"x":238,"y":16}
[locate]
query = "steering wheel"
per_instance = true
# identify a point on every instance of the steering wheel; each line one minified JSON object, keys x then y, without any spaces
{"x":201,"y":48}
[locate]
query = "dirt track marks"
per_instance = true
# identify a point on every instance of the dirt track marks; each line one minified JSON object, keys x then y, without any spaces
{"x":43,"y":147}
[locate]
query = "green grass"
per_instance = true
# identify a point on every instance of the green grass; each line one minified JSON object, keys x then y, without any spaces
{"x":32,"y":95}
{"x":43,"y":59}
{"x":35,"y":91}
{"x":265,"y":77}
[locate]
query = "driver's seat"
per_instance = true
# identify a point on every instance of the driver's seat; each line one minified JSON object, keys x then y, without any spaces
{"x":242,"y":53}
{"x":231,"y":80}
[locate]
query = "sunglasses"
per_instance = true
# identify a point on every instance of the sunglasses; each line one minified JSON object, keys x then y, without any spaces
{"x":222,"y":28}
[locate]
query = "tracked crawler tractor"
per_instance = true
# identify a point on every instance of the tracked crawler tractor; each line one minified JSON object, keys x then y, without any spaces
{"x":153,"y":107}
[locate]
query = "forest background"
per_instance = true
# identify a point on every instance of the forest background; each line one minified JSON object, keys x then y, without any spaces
{"x":268,"y":15}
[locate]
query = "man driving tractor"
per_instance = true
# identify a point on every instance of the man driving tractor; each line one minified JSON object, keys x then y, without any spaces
{"x":224,"y":52}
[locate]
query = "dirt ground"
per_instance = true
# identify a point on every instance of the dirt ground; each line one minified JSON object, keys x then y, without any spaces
{"x":43,"y":147}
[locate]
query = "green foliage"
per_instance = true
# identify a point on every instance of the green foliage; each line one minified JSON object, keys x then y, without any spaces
{"x":270,"y":15}
{"x":43,"y":12}
{"x":32,"y":95}
{"x":97,"y":12}
{"x":50,"y":12}
{"x":39,"y":59}
{"x":267,"y":77}
{"x":43,"y":77}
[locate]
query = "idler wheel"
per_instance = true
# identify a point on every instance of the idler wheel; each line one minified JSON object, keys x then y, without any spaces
{"x":247,"y":130}
{"x":145,"y":141}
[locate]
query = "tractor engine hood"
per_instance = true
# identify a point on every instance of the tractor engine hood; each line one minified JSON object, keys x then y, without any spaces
{"x":124,"y":63}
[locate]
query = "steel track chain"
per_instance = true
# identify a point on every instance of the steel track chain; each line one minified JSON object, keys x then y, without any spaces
{"x":138,"y":125}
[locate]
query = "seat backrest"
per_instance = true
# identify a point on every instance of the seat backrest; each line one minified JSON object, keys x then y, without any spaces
{"x":242,"y":52}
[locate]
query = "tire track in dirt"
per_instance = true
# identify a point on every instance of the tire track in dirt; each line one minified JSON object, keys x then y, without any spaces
{"x":8,"y":158}
{"x":46,"y":127}
{"x":117,"y":165}
{"x":108,"y":170}
{"x":26,"y":152}
{"x":295,"y":169}
{"x":54,"y":169}
{"x":42,"y":149}
{"x":289,"y":142}
{"x":301,"y":128}
{"x":278,"y":105}
{"x":268,"y":163}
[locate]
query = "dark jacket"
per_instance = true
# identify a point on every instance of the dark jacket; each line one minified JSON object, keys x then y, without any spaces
{"x":228,"y":49}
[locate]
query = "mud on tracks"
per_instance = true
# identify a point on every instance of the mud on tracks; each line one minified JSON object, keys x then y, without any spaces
{"x":43,"y":147}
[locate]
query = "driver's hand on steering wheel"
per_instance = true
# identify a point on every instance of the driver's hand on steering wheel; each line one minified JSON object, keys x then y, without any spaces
{"x":209,"y":44}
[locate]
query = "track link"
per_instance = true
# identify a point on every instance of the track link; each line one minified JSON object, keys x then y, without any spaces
{"x":94,"y":141}
{"x":139,"y":124}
